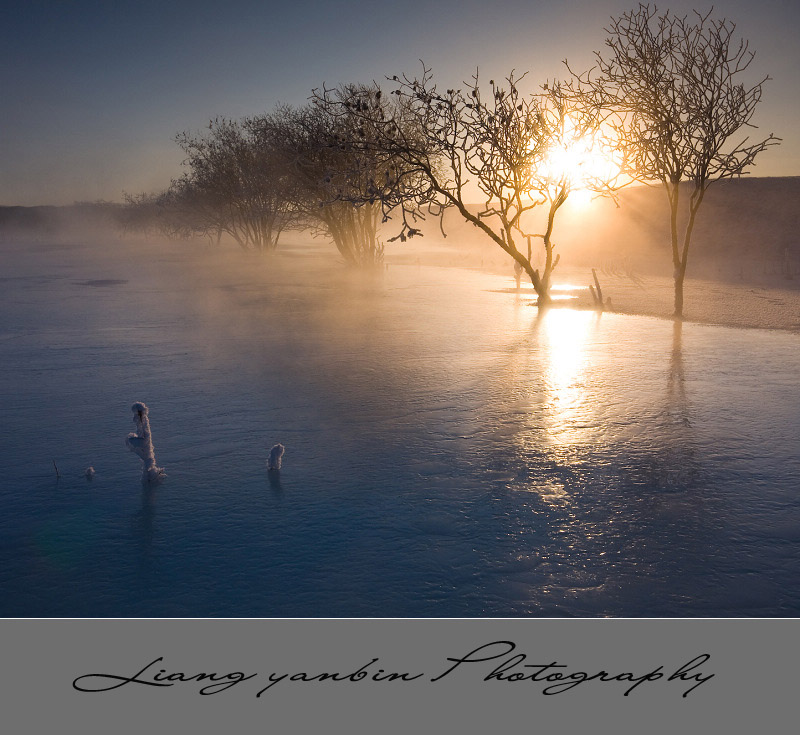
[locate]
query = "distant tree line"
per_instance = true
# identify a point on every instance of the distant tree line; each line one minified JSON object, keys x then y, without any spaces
{"x":666,"y":102}
{"x":295,"y":168}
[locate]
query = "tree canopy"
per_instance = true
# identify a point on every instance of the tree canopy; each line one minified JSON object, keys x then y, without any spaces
{"x":679,"y":87}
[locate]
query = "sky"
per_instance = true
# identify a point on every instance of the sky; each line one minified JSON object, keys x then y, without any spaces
{"x":93,"y":93}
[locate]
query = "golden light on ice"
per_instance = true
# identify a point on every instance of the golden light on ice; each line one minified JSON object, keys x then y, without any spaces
{"x":566,"y":332}
{"x":554,"y":377}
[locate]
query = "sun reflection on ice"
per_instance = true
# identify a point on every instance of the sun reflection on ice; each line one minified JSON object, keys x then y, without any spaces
{"x":560,"y":413}
{"x":565,"y":291}
{"x":567,"y":413}
{"x":565,"y":331}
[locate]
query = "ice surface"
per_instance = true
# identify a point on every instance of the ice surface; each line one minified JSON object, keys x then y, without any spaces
{"x":453,"y":452}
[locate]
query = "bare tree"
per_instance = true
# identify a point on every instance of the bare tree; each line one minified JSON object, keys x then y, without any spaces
{"x":234,"y":184}
{"x":332,"y":176}
{"x":578,"y":152}
{"x":678,"y":86}
{"x":451,"y":148}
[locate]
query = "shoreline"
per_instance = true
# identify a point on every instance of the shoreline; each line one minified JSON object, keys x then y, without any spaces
{"x":773,"y":303}
{"x":710,"y":302}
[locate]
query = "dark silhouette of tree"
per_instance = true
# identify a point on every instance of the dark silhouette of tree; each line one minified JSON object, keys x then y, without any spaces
{"x":450,"y":148}
{"x":333,"y":174}
{"x":679,"y":88}
{"x":235,"y":184}
{"x":578,"y":152}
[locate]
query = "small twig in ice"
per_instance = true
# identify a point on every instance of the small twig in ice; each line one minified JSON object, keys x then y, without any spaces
{"x":275,"y":457}
{"x":597,"y":296}
{"x":141,"y":444}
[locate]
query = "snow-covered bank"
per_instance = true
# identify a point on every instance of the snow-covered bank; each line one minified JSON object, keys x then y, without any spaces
{"x":771,"y":303}
{"x":706,"y":301}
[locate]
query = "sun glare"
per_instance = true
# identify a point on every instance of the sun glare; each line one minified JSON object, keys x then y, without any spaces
{"x":584,"y":162}
{"x":580,"y":198}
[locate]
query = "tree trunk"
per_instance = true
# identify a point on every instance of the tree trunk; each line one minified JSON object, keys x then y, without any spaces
{"x":509,"y":247}
{"x":544,"y":299}
{"x":678,"y":265}
{"x":681,"y":259}
{"x":550,"y":262}
{"x":679,"y":276}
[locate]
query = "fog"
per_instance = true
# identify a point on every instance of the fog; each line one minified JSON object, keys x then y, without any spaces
{"x":745,"y":234}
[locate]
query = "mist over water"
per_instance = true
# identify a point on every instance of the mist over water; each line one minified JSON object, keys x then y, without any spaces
{"x":449,"y":451}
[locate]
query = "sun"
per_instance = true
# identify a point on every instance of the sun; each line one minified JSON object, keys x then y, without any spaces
{"x":584,"y":162}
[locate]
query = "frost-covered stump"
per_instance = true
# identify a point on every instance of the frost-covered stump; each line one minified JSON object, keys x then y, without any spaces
{"x":275,"y":457}
{"x":141,"y":444}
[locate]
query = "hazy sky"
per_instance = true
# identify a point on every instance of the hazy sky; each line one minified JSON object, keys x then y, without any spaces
{"x":93,"y":93}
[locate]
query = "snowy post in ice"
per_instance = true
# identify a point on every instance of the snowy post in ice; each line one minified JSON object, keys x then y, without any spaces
{"x":275,"y":456}
{"x":141,"y":444}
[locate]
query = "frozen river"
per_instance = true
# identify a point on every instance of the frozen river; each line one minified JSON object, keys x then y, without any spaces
{"x":449,"y":452}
